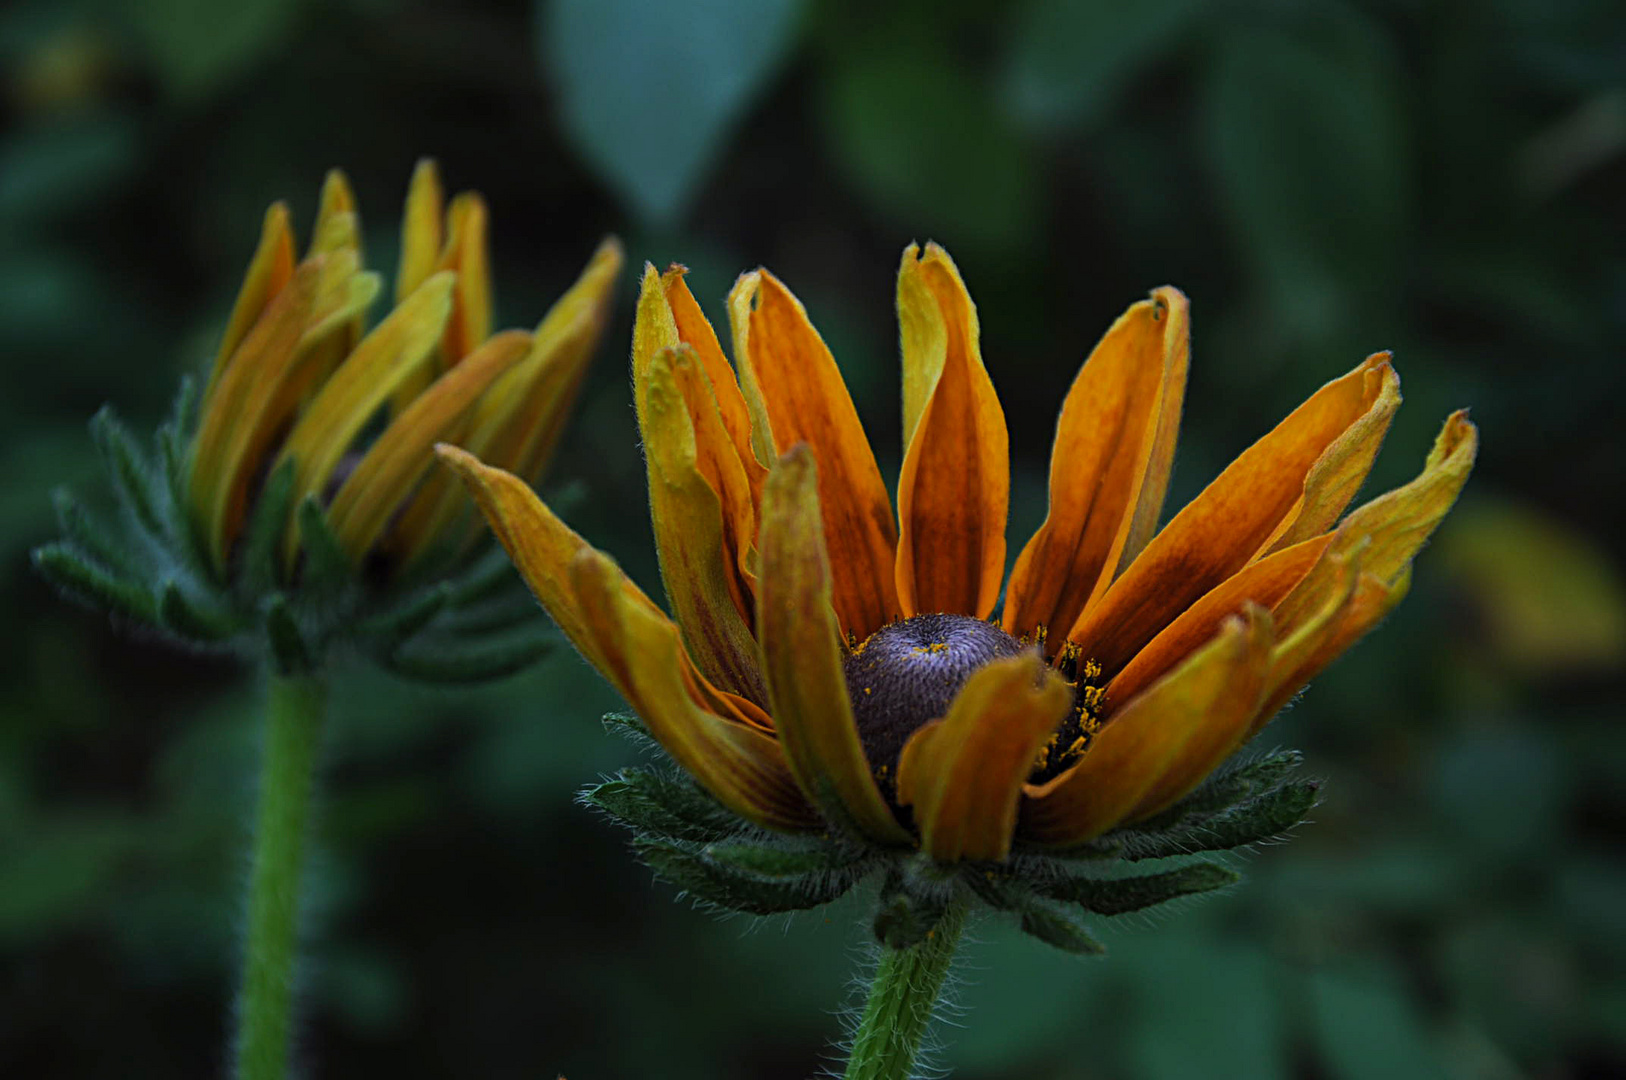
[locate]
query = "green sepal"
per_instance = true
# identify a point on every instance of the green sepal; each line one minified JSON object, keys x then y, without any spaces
{"x":185,"y":619}
{"x":1248,"y":822}
{"x":486,"y":575}
{"x":1053,"y":927}
{"x":290,"y":652}
{"x":661,"y":807}
{"x":174,"y":448}
{"x":90,"y":535}
{"x":781,"y":861}
{"x":132,"y":479}
{"x":447,"y":661}
{"x":1227,"y":787}
{"x":724,"y":887}
{"x":260,"y":562}
{"x":1115,"y":896}
{"x":327,"y":564}
{"x":393,"y":627}
{"x":81,"y":577}
{"x":907,"y":912}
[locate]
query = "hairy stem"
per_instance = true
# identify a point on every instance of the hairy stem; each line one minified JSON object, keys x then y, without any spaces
{"x":293,"y":731}
{"x":902,"y":1002}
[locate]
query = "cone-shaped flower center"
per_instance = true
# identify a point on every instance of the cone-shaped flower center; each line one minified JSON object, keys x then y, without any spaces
{"x":906,"y":675}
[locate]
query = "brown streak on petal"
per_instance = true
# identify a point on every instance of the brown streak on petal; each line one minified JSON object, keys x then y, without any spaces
{"x":795,"y":394}
{"x":963,"y":774}
{"x":1109,"y":467}
{"x":801,"y":650}
{"x":954,"y":490}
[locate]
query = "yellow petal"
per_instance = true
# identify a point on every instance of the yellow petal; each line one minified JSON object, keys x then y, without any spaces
{"x":954,"y":489}
{"x":964,"y":774}
{"x":695,"y":534}
{"x":1341,"y":469}
{"x":795,"y":394}
{"x":233,"y":432}
{"x":397,"y":462}
{"x":517,"y":422}
{"x":334,"y":418}
{"x":739,"y":764}
{"x":1205,"y":702}
{"x":801,"y":650}
{"x":694,"y":330}
{"x":268,"y":272}
{"x":1109,"y":466}
{"x":1230,"y":522}
{"x":420,"y":229}
{"x":466,"y":253}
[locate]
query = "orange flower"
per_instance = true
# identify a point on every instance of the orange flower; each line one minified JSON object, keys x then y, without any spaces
{"x":827,"y":663}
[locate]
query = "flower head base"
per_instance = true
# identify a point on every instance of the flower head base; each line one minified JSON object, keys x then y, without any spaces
{"x":301,"y":504}
{"x":848,"y":682}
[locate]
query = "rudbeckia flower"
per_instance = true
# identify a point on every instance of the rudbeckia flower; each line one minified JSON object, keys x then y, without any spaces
{"x":304,"y":493}
{"x":834,"y":666}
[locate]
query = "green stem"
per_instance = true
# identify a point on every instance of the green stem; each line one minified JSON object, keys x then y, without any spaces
{"x":293,"y":736}
{"x":902,"y":1002}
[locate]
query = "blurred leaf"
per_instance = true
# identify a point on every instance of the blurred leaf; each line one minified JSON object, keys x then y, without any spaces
{"x":1306,"y":141}
{"x":1368,"y":1030}
{"x":925,"y":143}
{"x":649,"y":90}
{"x":1550,"y":601}
{"x":55,"y":872}
{"x":1202,"y":1004}
{"x":1070,"y":60}
{"x":199,"y":45}
{"x":53,"y":169}
{"x":1505,"y":790}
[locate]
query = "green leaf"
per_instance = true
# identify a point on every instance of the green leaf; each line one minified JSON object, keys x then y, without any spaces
{"x":649,"y":91}
{"x":1115,"y":896}
{"x":1232,"y":783}
{"x":1054,"y":928}
{"x":185,"y":619}
{"x":1069,"y":61}
{"x":289,"y":650}
{"x":1368,"y":1029}
{"x":261,"y":552}
{"x":327,"y":564}
{"x":778,"y":861}
{"x":726,"y":888}
{"x":97,"y":539}
{"x":1249,"y":822}
{"x":672,"y":809}
{"x":76,"y":574}
{"x":401,"y":622}
{"x":926,"y":145}
{"x":197,"y":45}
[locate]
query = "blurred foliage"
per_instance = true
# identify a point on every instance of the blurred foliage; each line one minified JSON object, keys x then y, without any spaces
{"x":1323,"y":178}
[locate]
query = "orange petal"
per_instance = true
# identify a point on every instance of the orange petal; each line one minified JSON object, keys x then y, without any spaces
{"x":963,"y":774}
{"x":696,"y":331}
{"x":795,"y":394}
{"x":268,"y":271}
{"x":466,"y":253}
{"x":1231,"y":521}
{"x":1202,"y":705}
{"x":346,"y":402}
{"x":517,"y":422}
{"x":801,"y":650}
{"x":397,"y":461}
{"x":420,"y":229}
{"x":1109,"y":467}
{"x":695,"y":532}
{"x":1264,"y":583}
{"x":954,"y":490}
{"x":742,"y":766}
{"x":235,"y":430}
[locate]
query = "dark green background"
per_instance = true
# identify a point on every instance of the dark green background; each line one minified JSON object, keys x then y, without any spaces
{"x":1323,"y":179}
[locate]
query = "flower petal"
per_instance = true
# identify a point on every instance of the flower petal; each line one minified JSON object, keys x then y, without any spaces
{"x":420,"y":229}
{"x":795,"y":394}
{"x":517,"y":422}
{"x":268,"y":272}
{"x":741,"y":765}
{"x":964,"y":774}
{"x":330,"y":423}
{"x":234,"y":430}
{"x":397,"y":461}
{"x":1203,"y":704}
{"x":695,"y":330}
{"x":466,"y":253}
{"x":801,"y":651}
{"x":1233,"y":520}
{"x":1109,"y":467}
{"x":954,"y":489}
{"x":700,"y":551}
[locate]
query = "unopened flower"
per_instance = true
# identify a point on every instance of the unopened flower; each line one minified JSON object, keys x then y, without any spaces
{"x":838,"y":671}
{"x":303,"y":499}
